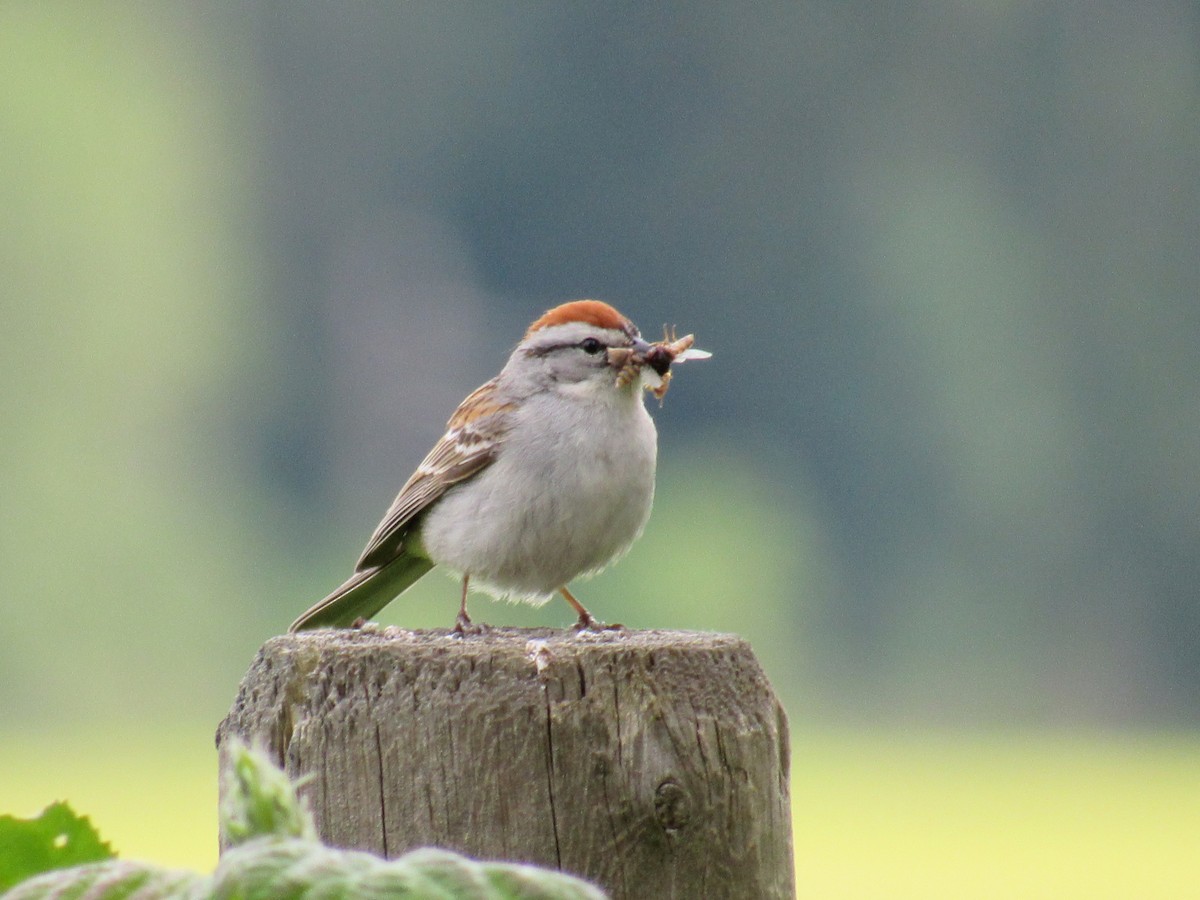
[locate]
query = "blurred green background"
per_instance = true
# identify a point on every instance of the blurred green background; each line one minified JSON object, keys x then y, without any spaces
{"x":942,"y":470}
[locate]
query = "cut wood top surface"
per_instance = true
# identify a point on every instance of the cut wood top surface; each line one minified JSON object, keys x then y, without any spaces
{"x":652,"y":762}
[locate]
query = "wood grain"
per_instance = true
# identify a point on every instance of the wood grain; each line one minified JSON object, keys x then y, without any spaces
{"x":653,"y":763}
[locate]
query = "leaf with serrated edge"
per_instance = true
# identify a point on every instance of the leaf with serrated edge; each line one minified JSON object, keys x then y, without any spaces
{"x":57,"y":838}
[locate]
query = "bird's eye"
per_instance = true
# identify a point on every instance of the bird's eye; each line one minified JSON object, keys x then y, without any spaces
{"x":590,"y":345}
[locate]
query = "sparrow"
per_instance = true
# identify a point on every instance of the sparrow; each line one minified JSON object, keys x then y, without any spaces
{"x":545,"y":474}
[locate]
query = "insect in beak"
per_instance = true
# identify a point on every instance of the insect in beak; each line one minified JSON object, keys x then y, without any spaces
{"x":656,"y":357}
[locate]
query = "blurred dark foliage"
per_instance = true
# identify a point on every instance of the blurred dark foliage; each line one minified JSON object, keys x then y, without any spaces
{"x":944,"y":253}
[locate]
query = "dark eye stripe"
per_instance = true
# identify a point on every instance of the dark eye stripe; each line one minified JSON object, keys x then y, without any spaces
{"x":590,"y":342}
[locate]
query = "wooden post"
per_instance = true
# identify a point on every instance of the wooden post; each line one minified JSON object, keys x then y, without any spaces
{"x":653,"y":763}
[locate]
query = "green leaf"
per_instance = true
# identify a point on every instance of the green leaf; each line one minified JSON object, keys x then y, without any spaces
{"x":274,"y":855}
{"x":283,"y":868}
{"x":511,"y":881}
{"x":260,"y":801}
{"x":54,"y":840}
{"x":113,"y":880}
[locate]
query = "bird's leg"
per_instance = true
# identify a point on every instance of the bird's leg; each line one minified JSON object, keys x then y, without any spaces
{"x":462,"y":623}
{"x":587,"y":622}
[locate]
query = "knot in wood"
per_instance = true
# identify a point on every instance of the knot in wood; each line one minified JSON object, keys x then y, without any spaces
{"x":672,"y":805}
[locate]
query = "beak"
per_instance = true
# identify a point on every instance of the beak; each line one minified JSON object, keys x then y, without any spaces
{"x":655,"y":357}
{"x":619,"y":357}
{"x":651,"y":360}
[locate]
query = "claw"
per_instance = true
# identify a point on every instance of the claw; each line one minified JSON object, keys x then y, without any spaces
{"x":463,"y":626}
{"x":591,"y":623}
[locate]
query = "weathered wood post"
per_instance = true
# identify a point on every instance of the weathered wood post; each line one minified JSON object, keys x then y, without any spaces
{"x":652,"y":763}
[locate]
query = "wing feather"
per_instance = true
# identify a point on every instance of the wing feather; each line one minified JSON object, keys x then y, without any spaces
{"x":472,"y":437}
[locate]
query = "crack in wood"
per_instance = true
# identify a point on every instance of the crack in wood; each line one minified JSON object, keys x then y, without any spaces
{"x":550,"y":782}
{"x":382,"y":794}
{"x":654,"y":763}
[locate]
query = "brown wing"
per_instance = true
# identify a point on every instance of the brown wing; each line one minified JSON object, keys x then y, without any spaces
{"x":472,"y":437}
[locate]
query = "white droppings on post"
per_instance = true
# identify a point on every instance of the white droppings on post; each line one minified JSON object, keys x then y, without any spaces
{"x":538,"y":653}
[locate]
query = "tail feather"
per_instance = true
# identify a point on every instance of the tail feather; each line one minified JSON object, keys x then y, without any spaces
{"x":364,"y":594}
